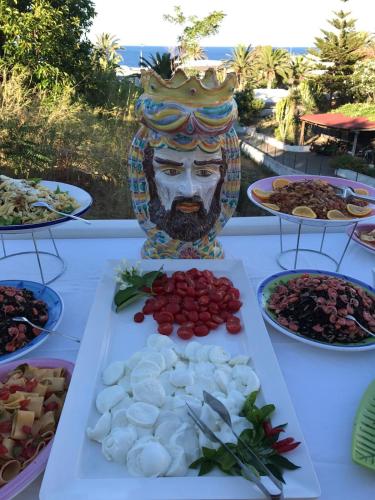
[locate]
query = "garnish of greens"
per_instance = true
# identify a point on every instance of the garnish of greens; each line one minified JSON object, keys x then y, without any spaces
{"x":133,"y":285}
{"x":262,"y":438}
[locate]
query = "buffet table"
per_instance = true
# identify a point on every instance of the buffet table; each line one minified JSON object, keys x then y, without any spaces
{"x":325,"y":386}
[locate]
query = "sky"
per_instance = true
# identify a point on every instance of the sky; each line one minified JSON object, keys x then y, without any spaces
{"x":284,"y":23}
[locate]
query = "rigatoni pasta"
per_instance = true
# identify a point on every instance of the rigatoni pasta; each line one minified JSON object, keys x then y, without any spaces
{"x":31,"y":401}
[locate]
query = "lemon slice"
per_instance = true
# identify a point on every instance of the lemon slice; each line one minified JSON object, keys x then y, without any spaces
{"x":271,"y":206}
{"x":304,"y":211}
{"x":280,"y":183}
{"x":361,"y":191}
{"x":262,"y":194}
{"x":358,"y":211}
{"x":337,"y":215}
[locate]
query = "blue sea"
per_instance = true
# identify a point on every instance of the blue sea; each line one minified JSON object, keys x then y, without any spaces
{"x":131,"y":53}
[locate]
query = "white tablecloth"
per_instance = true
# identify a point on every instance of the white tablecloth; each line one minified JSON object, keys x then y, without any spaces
{"x":325,"y":386}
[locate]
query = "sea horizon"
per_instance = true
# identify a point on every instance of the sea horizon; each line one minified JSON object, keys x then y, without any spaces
{"x":131,"y":53}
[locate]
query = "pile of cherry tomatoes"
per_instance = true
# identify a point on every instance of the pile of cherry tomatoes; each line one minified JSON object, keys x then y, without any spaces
{"x":196,"y":300}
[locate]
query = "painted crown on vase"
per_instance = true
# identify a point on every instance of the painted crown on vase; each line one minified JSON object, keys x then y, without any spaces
{"x":184,"y":164}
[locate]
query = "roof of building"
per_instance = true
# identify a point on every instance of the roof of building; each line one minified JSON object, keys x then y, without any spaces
{"x":339,"y":121}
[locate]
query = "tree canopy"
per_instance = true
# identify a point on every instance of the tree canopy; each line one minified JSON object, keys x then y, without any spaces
{"x":47,"y":36}
{"x":339,"y":50}
{"x":193,"y":30}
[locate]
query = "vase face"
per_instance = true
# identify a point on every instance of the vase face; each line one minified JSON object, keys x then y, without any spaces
{"x":186,"y":203}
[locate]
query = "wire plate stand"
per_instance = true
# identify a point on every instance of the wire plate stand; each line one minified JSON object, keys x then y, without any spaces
{"x":298,"y":251}
{"x":38,"y":254}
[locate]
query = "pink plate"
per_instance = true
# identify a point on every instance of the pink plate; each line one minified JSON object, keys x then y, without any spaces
{"x":266,"y":185}
{"x":359,"y":229}
{"x":32,"y":471}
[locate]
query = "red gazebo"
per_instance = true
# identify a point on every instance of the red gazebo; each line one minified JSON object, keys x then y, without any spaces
{"x":338,"y":121}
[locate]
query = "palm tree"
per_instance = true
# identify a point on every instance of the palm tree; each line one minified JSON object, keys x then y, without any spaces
{"x":106,"y":46}
{"x":191,"y":51}
{"x":298,"y":67}
{"x":161,"y":63}
{"x":272,"y":64}
{"x":240,"y":62}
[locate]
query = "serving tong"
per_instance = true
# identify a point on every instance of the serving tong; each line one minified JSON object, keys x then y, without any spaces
{"x":23,"y":319}
{"x":44,"y":204}
{"x":346,"y":192}
{"x":218,"y":407}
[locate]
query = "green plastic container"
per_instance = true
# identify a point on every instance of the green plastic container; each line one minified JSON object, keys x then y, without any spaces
{"x":363,"y":442}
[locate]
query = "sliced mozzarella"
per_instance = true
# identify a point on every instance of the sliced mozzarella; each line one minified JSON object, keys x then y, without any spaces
{"x":202,"y":354}
{"x":109,"y":397}
{"x":166,"y":429}
{"x":113,"y":372}
{"x":203,"y":368}
{"x":218,"y":355}
{"x":159,"y":342}
{"x":191,"y":350}
{"x":181,"y":377}
{"x":149,"y":390}
{"x":167,"y":416}
{"x":178,"y":466}
{"x":133,"y":460}
{"x":154,"y":459}
{"x":117,"y":444}
{"x":125,"y":383}
{"x":164,"y":379}
{"x":235,"y":401}
{"x":240,"y":424}
{"x":210,"y":418}
{"x":186,"y":437}
{"x":155,"y":357}
{"x":143,"y":370}
{"x":142,"y":414}
{"x":133,"y":360}
{"x":246,"y":379}
{"x":170,"y":357}
{"x":123,"y":404}
{"x":101,"y":429}
{"x":119,"y":418}
{"x":222,"y":380}
{"x":239,"y":360}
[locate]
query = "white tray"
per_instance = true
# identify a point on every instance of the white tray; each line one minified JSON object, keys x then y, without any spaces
{"x":77,"y":469}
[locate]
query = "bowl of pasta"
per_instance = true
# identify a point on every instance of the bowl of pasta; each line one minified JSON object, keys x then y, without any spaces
{"x":32,"y":395}
{"x":18,"y":195}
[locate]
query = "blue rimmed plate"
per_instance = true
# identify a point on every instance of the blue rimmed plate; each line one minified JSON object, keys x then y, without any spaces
{"x":82,"y":197}
{"x":266,"y":288}
{"x":55,"y":309}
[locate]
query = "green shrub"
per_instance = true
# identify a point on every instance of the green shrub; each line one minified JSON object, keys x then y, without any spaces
{"x":352,"y":163}
{"x":248,"y":106}
{"x":365,"y":110}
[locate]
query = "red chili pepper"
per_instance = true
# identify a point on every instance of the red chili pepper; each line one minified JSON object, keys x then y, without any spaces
{"x":285,"y":445}
{"x":269,"y":430}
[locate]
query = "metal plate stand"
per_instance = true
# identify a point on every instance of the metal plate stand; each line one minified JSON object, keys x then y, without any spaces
{"x":43,"y":272}
{"x":297,"y":251}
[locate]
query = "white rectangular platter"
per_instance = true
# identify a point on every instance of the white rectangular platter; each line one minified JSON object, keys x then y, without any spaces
{"x":77,"y":468}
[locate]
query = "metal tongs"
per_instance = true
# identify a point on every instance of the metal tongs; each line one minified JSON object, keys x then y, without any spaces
{"x":248,"y":473}
{"x":346,"y":192}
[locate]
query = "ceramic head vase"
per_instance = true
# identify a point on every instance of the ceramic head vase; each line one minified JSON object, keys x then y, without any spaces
{"x":184,"y":164}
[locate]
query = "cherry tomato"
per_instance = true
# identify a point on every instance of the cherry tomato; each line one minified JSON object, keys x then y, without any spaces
{"x":193,"y":316}
{"x":204,"y":300}
{"x":139,"y":317}
{"x":234,"y":305}
{"x":165,"y":328}
{"x":180,"y":318}
{"x":201,"y":330}
{"x":205,"y":316}
{"x":211,"y":325}
{"x":164,"y":317}
{"x":185,"y":333}
{"x":213,"y":308}
{"x":172,"y":307}
{"x":233,"y":326}
{"x":217,"y":319}
{"x":235,"y":292}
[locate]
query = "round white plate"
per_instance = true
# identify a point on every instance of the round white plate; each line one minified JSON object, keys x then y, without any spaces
{"x":360,"y":228}
{"x":82,"y":197}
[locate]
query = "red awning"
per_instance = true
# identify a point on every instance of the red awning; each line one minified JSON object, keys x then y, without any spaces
{"x":339,"y":121}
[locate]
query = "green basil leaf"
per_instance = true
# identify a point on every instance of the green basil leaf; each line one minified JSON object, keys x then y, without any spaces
{"x":283,"y":462}
{"x":123,"y":298}
{"x":150,"y":277}
{"x":206,"y":467}
{"x":197,"y":463}
{"x":208,"y":452}
{"x":266,"y":411}
{"x":58,"y":190}
{"x":276,"y":472}
{"x":136,"y":281}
